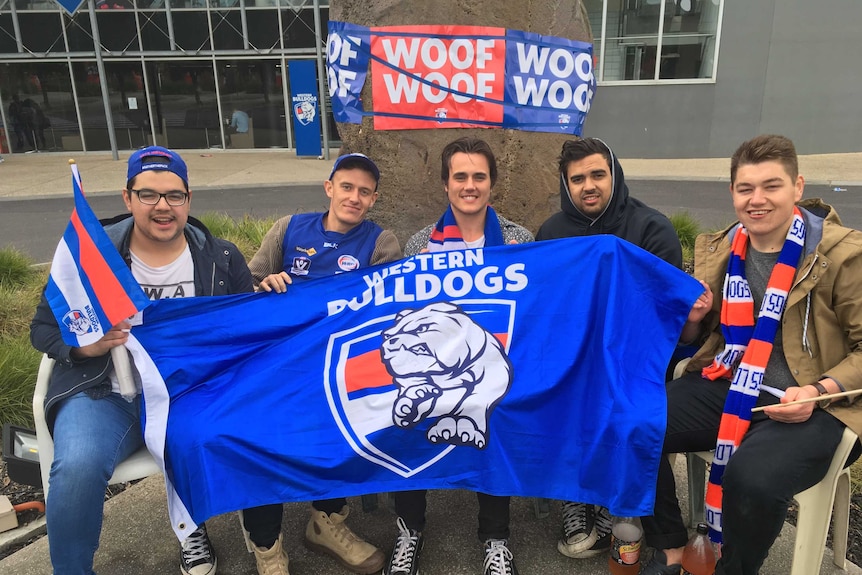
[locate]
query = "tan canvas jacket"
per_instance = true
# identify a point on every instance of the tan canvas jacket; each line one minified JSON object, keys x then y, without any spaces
{"x":822,"y":323}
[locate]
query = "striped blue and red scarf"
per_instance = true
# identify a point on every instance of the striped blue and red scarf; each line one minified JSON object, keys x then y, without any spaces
{"x":752,"y":342}
{"x":446,"y":235}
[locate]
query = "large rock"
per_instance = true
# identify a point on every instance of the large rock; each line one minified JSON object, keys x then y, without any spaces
{"x":411,"y":192}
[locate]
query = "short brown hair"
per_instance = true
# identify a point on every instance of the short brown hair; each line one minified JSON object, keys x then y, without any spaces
{"x":468,"y":145}
{"x":766,"y":148}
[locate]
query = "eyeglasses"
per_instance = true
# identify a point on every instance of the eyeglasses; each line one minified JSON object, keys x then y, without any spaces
{"x":151,"y":198}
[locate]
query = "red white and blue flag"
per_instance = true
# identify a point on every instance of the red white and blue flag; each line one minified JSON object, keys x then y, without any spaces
{"x":90,"y":288}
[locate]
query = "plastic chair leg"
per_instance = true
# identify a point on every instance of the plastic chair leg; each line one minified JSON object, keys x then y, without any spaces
{"x":696,"y":488}
{"x":369,"y":502}
{"x":248,"y":544}
{"x":812,"y":525}
{"x":841,"y":520}
{"x":541,"y":507}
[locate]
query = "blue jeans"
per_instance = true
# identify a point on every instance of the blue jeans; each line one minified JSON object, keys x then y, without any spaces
{"x":90,"y":437}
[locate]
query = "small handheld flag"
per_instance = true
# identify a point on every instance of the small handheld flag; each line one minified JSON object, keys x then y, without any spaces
{"x":90,"y":288}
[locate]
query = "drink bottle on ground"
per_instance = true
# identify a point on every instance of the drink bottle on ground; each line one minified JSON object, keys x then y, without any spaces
{"x":626,"y":533}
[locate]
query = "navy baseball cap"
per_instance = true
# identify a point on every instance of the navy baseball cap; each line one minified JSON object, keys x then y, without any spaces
{"x":356,"y":158}
{"x":157,"y":158}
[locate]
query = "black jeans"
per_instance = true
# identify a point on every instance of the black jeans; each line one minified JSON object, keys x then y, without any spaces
{"x":264,"y":523}
{"x":493,"y":513}
{"x":773,"y":463}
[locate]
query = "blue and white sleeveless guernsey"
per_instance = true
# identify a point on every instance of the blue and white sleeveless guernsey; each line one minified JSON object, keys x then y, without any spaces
{"x":311,"y":252}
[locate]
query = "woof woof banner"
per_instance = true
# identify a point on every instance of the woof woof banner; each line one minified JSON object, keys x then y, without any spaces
{"x":533,"y":370}
{"x":425,"y":77}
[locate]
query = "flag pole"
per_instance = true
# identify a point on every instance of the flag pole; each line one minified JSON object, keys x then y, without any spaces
{"x":119,"y":355}
{"x":840,"y":394}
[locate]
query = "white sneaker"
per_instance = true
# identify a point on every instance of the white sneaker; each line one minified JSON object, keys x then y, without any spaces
{"x":498,"y":558}
{"x":198,"y":556}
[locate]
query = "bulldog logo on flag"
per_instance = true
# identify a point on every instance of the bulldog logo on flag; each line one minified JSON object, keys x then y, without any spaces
{"x":434,"y":373}
{"x":78,"y":323}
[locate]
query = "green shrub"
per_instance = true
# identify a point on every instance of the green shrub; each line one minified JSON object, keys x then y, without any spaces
{"x":19,"y":363}
{"x":16,"y":269}
{"x":687,"y":229}
{"x":246,"y":233}
{"x":20,"y":289}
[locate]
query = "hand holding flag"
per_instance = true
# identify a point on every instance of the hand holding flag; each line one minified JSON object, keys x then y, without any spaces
{"x":90,"y":288}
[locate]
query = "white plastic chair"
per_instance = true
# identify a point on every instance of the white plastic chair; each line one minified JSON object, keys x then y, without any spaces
{"x":815,"y":506}
{"x":137,"y":466}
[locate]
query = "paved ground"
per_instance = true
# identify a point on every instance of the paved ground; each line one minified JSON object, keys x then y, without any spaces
{"x":34,"y":175}
{"x":136,"y":539}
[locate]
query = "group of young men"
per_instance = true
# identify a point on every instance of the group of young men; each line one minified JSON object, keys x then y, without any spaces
{"x":786,"y":324}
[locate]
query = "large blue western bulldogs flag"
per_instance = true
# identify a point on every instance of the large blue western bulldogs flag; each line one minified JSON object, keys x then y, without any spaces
{"x":534,"y":370}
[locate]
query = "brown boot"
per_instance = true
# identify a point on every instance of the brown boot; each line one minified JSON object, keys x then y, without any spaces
{"x":328,"y":534}
{"x":272,"y":561}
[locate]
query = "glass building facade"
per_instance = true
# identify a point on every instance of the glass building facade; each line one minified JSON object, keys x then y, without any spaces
{"x":655,"y":40}
{"x":175,"y":71}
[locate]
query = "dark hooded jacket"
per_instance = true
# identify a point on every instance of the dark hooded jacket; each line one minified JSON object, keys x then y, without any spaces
{"x":219,"y":269}
{"x":624,"y":217}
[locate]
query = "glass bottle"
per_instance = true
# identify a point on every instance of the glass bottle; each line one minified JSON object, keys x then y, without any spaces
{"x":626,"y":535}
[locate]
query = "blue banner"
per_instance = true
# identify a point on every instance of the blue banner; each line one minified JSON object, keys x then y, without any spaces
{"x":533,"y":370}
{"x":347,"y":50}
{"x":441,"y":76}
{"x":549,"y":83}
{"x":305,"y":106}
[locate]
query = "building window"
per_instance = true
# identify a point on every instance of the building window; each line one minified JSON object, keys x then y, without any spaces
{"x":655,"y":40}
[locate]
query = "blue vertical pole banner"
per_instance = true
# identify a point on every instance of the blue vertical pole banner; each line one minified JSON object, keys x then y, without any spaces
{"x":348,"y":49}
{"x":306,"y":109}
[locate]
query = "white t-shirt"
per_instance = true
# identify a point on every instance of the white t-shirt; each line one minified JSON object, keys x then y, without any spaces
{"x":480,"y":243}
{"x":176,"y":279}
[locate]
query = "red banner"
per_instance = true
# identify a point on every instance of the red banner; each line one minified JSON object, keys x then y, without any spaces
{"x":438,"y":71}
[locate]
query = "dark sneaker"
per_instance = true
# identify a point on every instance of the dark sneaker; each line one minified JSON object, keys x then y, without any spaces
{"x":658,"y":566}
{"x":405,"y":555}
{"x":579,"y":528}
{"x":602,"y":531}
{"x":198,"y":556}
{"x":498,"y":558}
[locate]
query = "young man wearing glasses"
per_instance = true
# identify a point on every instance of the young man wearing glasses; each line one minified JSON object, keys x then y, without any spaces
{"x":171,"y":255}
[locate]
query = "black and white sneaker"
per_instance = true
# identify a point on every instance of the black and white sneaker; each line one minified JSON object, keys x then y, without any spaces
{"x":602,"y":528}
{"x":498,"y":558}
{"x":198,"y":556}
{"x":579,"y":528}
{"x":405,"y":555}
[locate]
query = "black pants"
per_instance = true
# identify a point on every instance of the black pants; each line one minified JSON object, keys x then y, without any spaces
{"x":264,"y":523}
{"x":493,"y":513}
{"x":773,"y":463}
